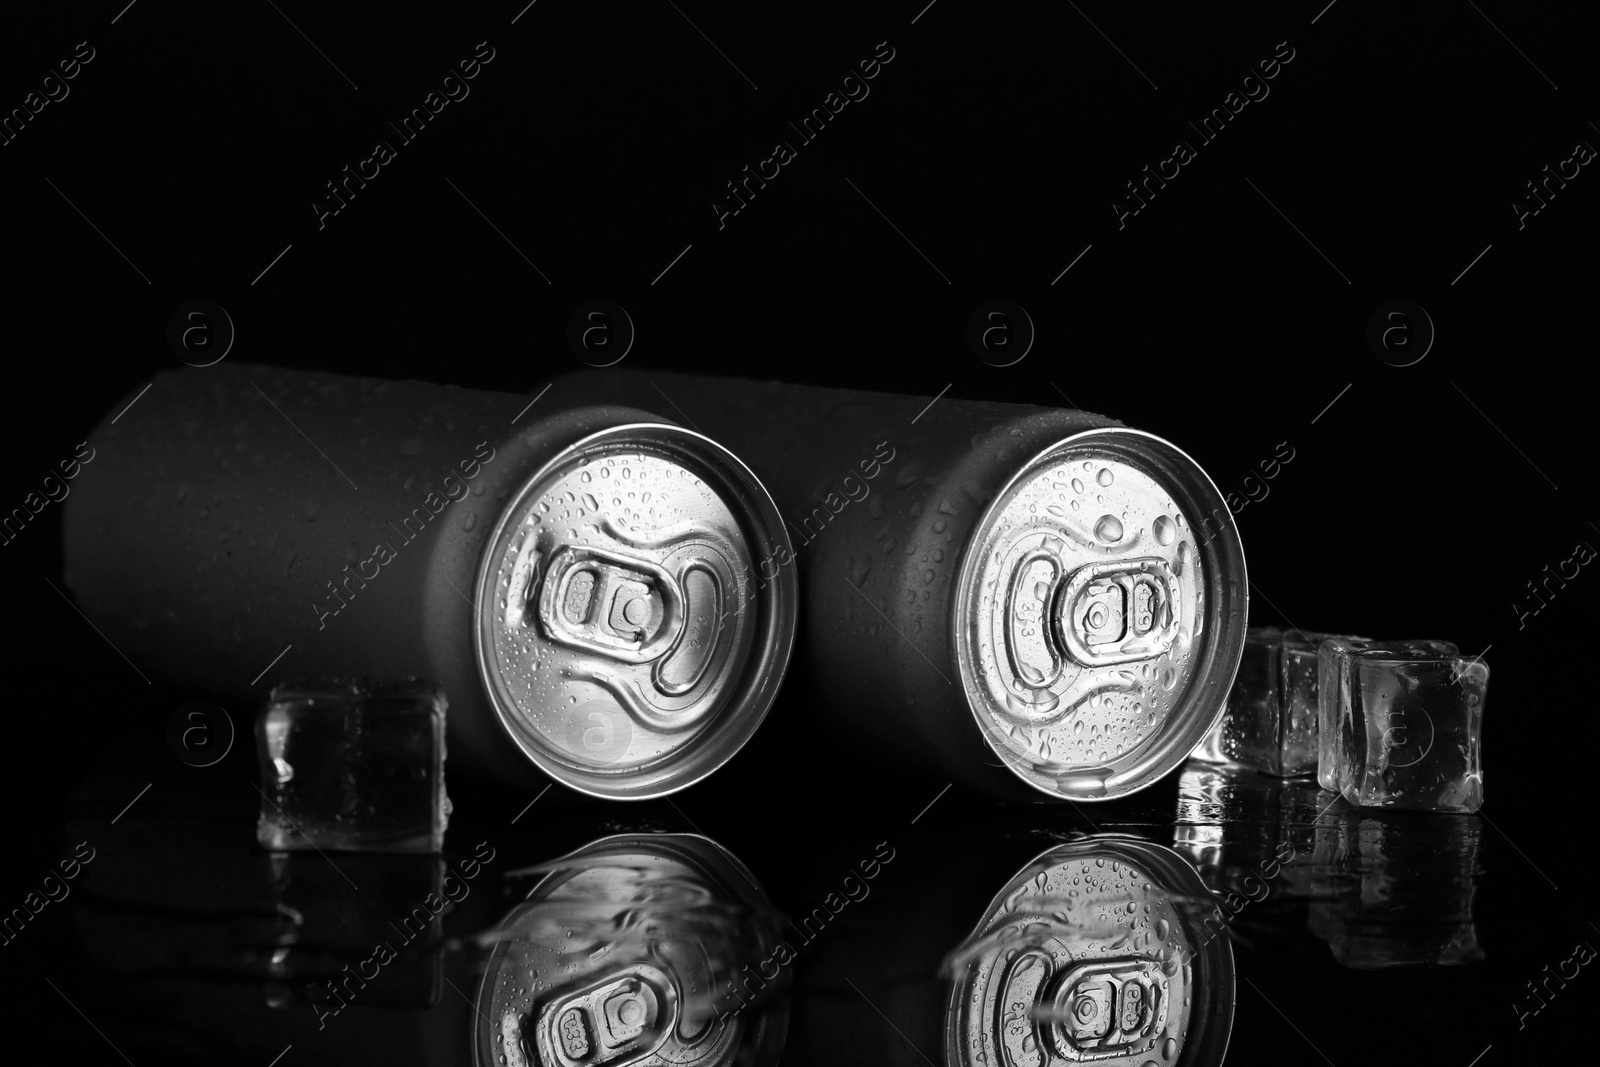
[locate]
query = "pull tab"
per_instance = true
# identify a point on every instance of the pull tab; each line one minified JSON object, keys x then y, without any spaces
{"x":1105,"y":1007}
{"x":628,"y":609}
{"x":1119,"y":611}
{"x":622,"y":1016}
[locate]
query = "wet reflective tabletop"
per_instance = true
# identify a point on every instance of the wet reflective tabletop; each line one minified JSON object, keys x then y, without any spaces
{"x":840,"y":918}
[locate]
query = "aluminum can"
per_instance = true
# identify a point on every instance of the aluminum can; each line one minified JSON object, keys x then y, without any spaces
{"x":627,"y":951}
{"x":571,"y":576}
{"x":1031,"y":600}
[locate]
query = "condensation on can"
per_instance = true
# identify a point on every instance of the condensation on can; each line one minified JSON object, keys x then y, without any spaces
{"x":622,"y":643}
{"x":1099,"y":617}
{"x":1093,"y":952}
{"x":676,"y":919}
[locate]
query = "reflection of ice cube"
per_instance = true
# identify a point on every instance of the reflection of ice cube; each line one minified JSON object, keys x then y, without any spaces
{"x":1407,"y":718}
{"x":1242,"y":830}
{"x":1398,"y":892}
{"x":332,"y":928}
{"x":352,"y":765}
{"x":1270,"y":723}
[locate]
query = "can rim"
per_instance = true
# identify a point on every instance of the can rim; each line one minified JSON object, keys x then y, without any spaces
{"x":777,"y":611}
{"x":683,"y":846}
{"x":1226,"y":616}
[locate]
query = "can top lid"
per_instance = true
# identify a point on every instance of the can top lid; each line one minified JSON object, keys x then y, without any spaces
{"x":624,"y":644}
{"x":1093,"y":951}
{"x":1100,"y":614}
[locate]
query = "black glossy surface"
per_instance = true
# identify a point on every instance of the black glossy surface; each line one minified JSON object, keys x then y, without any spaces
{"x":165,"y":940}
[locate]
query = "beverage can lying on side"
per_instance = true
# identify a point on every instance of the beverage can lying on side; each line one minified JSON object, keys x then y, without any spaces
{"x":570,"y":575}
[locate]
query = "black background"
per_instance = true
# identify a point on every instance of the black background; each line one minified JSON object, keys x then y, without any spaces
{"x":1419,"y":504}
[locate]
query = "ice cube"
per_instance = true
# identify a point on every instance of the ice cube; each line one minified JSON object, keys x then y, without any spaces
{"x":1332,"y":694}
{"x":1406,"y":718}
{"x":1234,"y":738}
{"x":1299,"y":677}
{"x":1270,"y":721}
{"x":353,"y":765}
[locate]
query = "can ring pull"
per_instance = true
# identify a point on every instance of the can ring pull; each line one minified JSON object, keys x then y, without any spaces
{"x":1118,"y":612}
{"x":1106,"y":1007}
{"x":624,"y":608}
{"x":624,"y":1017}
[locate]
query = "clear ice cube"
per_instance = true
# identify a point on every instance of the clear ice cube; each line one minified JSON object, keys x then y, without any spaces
{"x":1332,"y":694}
{"x":353,"y":765}
{"x":1405,"y":722}
{"x":1270,"y":723}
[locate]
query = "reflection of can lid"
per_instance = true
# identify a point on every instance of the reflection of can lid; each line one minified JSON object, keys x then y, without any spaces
{"x":1095,"y":951}
{"x":621,"y":637}
{"x":1100,"y":614}
{"x":618,"y":957}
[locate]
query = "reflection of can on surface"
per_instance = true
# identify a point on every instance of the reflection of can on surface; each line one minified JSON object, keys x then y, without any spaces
{"x":997,"y":950}
{"x":1093,"y":952}
{"x":624,"y":953}
{"x":991,"y":584}
{"x":574,"y":581}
